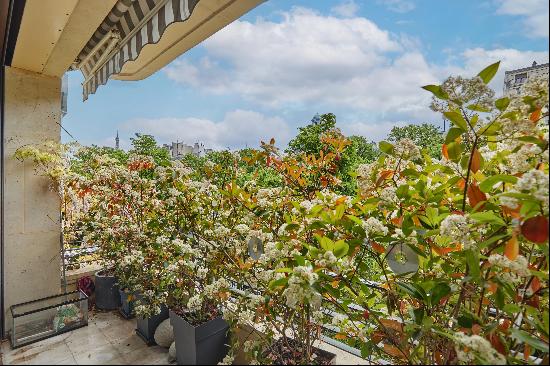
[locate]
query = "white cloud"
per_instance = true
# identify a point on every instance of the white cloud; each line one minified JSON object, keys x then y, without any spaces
{"x":348,"y":62}
{"x":238,"y":129}
{"x":535,"y":13}
{"x":345,"y":64}
{"x":346,"y":9}
{"x":398,"y":6}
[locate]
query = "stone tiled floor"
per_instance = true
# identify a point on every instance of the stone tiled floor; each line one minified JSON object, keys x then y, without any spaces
{"x":107,"y":340}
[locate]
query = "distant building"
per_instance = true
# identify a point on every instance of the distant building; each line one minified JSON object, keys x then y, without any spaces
{"x":514,"y":80}
{"x":117,"y":142}
{"x":179,"y":149}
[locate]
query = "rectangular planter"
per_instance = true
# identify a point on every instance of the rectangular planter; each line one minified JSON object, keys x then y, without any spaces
{"x":206,"y":344}
{"x":107,"y":296}
{"x":126,"y":306}
{"x":146,"y":327}
{"x":47,"y":317}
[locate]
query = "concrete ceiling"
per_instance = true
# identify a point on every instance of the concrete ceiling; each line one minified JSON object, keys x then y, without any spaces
{"x":53,"y":32}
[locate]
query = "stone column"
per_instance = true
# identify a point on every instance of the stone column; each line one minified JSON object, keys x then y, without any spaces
{"x":31,"y":209}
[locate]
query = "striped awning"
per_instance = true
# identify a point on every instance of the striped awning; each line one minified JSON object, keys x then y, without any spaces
{"x":130,"y":26}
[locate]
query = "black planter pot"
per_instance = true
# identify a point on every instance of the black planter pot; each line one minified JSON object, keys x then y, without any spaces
{"x":146,"y":327}
{"x":206,"y":344}
{"x":126,"y":306}
{"x":107,"y":296}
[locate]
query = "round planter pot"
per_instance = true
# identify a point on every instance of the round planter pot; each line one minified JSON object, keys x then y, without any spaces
{"x":107,"y":296}
{"x":205,"y":344}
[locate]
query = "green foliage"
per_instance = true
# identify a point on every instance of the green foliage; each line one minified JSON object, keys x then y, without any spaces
{"x":425,"y":136}
{"x":146,"y":145}
{"x":308,"y":140}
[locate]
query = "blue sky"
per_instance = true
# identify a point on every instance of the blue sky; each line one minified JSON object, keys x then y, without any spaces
{"x":270,"y":72}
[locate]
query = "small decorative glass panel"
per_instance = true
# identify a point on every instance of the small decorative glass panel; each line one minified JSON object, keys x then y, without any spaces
{"x":44,"y":318}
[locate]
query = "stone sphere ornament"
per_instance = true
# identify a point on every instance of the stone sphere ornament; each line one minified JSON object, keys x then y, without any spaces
{"x":164,"y":335}
{"x":172,"y":352}
{"x":255,"y":248}
{"x":402,"y":259}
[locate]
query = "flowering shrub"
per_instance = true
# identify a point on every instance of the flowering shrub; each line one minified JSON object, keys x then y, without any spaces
{"x":432,"y":261}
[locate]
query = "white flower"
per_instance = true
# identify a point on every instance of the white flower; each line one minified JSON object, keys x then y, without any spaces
{"x":469,"y":346}
{"x":227,"y":360}
{"x":407,"y":149}
{"x":374,"y":226}
{"x":513,"y":271}
{"x":194,"y":303}
{"x":242,"y":229}
{"x":300,"y":290}
{"x":456,"y":227}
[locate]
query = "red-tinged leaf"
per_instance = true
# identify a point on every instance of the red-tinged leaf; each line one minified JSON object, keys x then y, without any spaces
{"x":476,"y":161}
{"x":393,"y":324}
{"x":397,"y":221}
{"x":476,"y":329}
{"x":378,"y":248}
{"x":512,"y":248}
{"x":535,"y":284}
{"x":475,"y":195}
{"x":341,"y":336}
{"x":504,"y":325}
{"x":461,"y":184}
{"x":340,"y":200}
{"x":393,"y":351}
{"x":535,"y":116}
{"x":366,"y":314}
{"x":445,"y":151}
{"x":497,"y":344}
{"x":492,"y":287}
{"x":535,"y":229}
{"x":534,"y":301}
{"x":526,"y":352}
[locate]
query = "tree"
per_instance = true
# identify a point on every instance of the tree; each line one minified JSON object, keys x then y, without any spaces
{"x":147,"y":145}
{"x":308,"y":140}
{"x":425,"y":136}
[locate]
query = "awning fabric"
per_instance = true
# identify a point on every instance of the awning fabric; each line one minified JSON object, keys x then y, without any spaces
{"x":130,"y":26}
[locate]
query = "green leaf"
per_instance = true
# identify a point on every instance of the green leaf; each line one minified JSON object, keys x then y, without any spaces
{"x":402,"y":191}
{"x":340,"y":210}
{"x":437,"y":91}
{"x":473,"y":262}
{"x":489,"y":72}
{"x":355,"y":219}
{"x":488,"y":217}
{"x":487,"y":185}
{"x":438,"y":292}
{"x":453,"y":133}
{"x":385,"y":147}
{"x":411,"y":290}
{"x":457,"y":119}
{"x":454,"y":149}
{"x":525,"y":337}
{"x":341,"y":248}
{"x":502,"y":103}
{"x":511,"y":309}
{"x":326,"y":243}
{"x":278,"y":283}
{"x":478,"y":108}
{"x":283,"y":270}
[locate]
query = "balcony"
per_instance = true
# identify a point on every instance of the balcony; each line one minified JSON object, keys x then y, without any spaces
{"x":109,"y":339}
